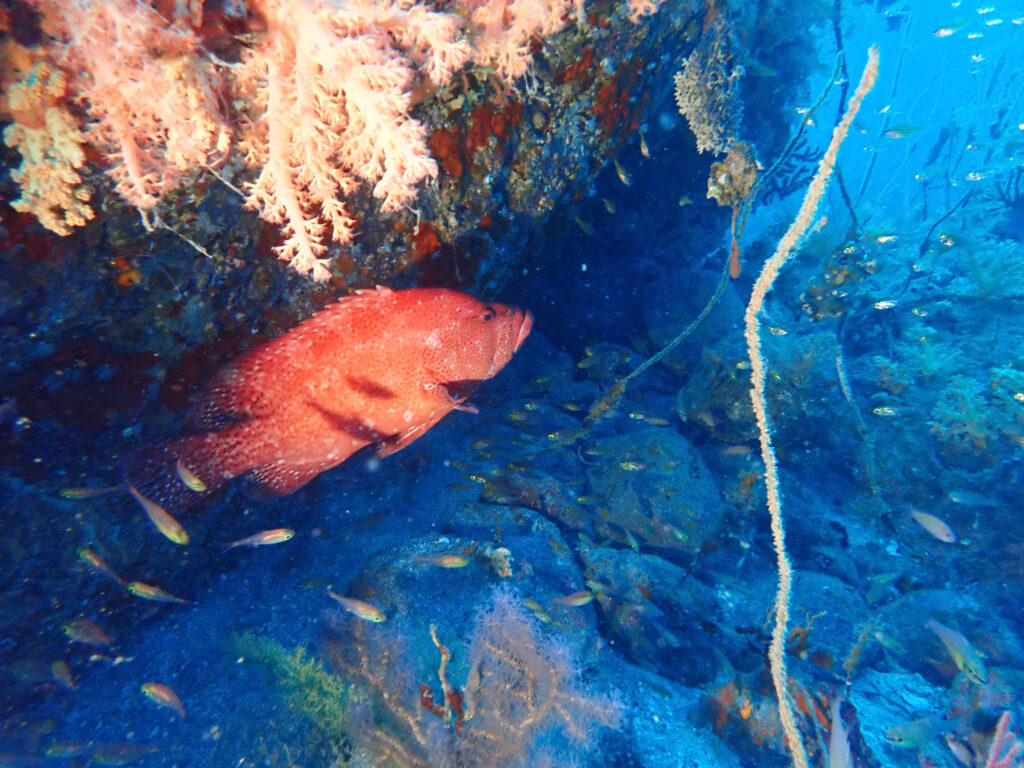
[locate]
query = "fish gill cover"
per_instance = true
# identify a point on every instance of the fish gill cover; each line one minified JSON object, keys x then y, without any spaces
{"x":579,"y":565}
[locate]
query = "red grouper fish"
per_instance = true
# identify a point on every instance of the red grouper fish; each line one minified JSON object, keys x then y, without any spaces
{"x":378,"y":366}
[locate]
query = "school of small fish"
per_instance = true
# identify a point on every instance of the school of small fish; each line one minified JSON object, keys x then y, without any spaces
{"x":425,"y":349}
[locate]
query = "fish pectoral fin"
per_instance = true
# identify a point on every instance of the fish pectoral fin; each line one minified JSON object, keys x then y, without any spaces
{"x":456,"y":395}
{"x":397,"y":442}
{"x":460,"y":404}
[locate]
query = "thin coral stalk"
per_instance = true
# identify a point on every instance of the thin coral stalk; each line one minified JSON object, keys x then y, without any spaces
{"x":758,"y":396}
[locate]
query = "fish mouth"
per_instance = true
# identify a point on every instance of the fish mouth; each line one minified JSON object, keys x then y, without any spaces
{"x":525,"y":320}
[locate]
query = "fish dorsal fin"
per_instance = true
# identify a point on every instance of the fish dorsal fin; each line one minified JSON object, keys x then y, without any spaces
{"x":365,"y":296}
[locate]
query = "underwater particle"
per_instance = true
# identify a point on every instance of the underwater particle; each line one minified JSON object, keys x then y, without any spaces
{"x":163,"y":521}
{"x":151,"y":592}
{"x":87,"y":632}
{"x":359,"y":608}
{"x":936,"y":527}
{"x":263,"y":538}
{"x":968,"y":659}
{"x":164,"y":696}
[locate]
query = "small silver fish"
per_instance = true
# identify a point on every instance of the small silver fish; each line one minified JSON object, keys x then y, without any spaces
{"x":363,"y":610}
{"x":966,"y":656}
{"x":263,"y":538}
{"x":936,"y":527}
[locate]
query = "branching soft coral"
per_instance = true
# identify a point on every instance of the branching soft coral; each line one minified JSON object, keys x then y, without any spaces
{"x":523,"y":682}
{"x":523,"y":697}
{"x":331,"y":85}
{"x":508,"y":28}
{"x":707,"y":90}
{"x":152,"y":103}
{"x":963,"y":415}
{"x":52,"y":151}
{"x":323,"y":100}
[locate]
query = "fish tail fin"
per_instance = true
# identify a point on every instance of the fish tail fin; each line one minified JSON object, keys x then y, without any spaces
{"x":177,"y":473}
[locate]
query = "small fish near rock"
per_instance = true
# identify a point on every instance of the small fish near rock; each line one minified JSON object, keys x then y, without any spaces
{"x":379,"y":366}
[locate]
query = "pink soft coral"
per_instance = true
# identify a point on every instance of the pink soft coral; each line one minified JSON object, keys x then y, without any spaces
{"x":151,"y":101}
{"x":331,"y":85}
{"x":325,"y":98}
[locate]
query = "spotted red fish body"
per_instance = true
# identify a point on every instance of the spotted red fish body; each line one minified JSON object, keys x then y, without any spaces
{"x":378,"y":366}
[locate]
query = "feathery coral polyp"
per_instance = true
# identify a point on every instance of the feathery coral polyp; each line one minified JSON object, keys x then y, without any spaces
{"x":151,"y":101}
{"x":332,"y":84}
{"x":322,"y":101}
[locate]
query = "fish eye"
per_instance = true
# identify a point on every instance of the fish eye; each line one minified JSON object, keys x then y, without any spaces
{"x":489,"y":313}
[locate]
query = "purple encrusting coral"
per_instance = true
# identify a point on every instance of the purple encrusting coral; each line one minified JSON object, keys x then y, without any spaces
{"x":522,"y":702}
